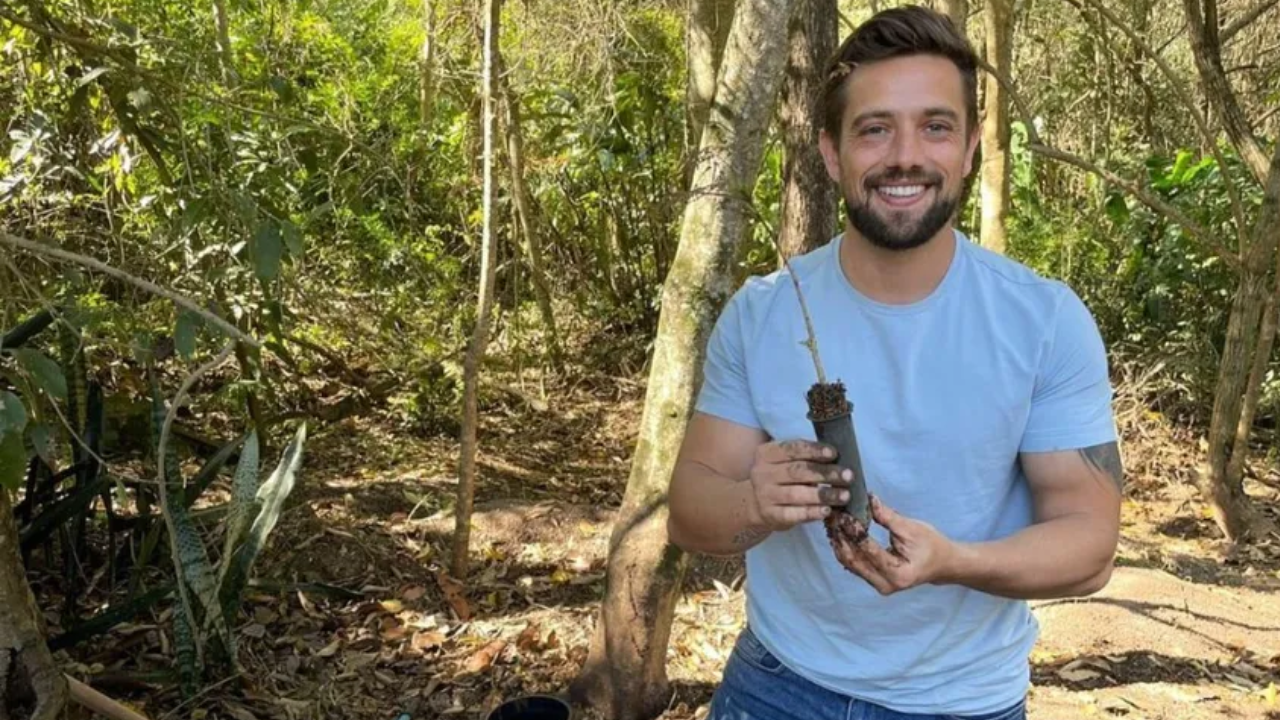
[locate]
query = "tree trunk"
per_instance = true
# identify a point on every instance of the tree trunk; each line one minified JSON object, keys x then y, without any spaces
{"x":995,"y":126}
{"x":625,"y":673}
{"x":958,"y":11}
{"x":531,"y":242}
{"x":708,"y":30}
{"x":484,"y":304}
{"x":427,"y":65}
{"x":1223,"y":491}
{"x":1261,"y":359}
{"x":31,"y":685}
{"x":808,"y":195}
{"x":222,"y":27}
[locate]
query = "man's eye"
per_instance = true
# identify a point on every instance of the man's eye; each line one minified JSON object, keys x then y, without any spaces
{"x":873,"y":130}
{"x":938,"y":128}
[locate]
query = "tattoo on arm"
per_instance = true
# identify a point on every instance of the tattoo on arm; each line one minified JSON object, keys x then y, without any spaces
{"x":750,"y":536}
{"x":1105,"y":459}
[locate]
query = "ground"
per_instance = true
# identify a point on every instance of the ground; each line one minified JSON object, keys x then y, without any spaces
{"x":1184,"y":629}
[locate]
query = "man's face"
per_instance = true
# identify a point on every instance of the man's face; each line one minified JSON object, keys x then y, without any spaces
{"x":903,"y":151}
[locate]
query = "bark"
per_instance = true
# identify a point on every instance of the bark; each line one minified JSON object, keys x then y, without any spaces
{"x":709,"y":22}
{"x":1223,"y":490}
{"x":526,"y":218}
{"x":1261,"y":359}
{"x":995,"y":126}
{"x":31,"y":685}
{"x":808,"y":195}
{"x":958,"y":11}
{"x":427,"y":65}
{"x":625,"y":674}
{"x":222,"y":28}
{"x":484,"y":306}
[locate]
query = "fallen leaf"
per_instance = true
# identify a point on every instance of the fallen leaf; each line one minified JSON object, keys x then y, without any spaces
{"x":392,"y":606}
{"x":1078,"y":674}
{"x":239,"y":713}
{"x":264,"y":615}
{"x":561,"y":576}
{"x":453,"y":594}
{"x":393,"y":634}
{"x":414,"y":593}
{"x":552,"y":641}
{"x":255,"y":631}
{"x":1269,"y":695}
{"x":484,"y":658}
{"x":330,"y":650}
{"x":426,"y":640}
{"x":529,"y":639}
{"x":307,"y":606}
{"x":355,"y":661}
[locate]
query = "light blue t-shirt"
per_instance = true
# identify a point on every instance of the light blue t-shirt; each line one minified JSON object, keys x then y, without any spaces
{"x":946,"y":393}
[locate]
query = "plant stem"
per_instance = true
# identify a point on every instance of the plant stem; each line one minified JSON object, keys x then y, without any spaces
{"x":811,"y":344}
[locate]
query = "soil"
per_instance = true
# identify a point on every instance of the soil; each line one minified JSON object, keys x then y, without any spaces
{"x":1186,"y":629}
{"x":827,"y":401}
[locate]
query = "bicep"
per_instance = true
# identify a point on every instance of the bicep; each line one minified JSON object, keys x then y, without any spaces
{"x":1087,"y":480}
{"x":724,"y":447}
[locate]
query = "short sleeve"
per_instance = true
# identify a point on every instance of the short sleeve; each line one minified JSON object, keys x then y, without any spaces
{"x":725,"y":391}
{"x":1071,"y":404}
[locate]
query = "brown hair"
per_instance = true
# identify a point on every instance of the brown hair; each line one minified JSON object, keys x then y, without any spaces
{"x":897,"y":32}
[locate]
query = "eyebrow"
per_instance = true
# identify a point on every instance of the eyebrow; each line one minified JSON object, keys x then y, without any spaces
{"x":933,"y":112}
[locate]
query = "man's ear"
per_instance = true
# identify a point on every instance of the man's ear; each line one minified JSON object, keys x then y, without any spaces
{"x":830,"y":154}
{"x":975,"y":138}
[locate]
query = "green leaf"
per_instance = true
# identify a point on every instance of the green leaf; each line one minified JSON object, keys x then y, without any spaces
{"x":292,"y":238}
{"x":184,"y":335}
{"x":1117,"y":209}
{"x":13,"y":460}
{"x":267,"y":249}
{"x":13,"y":416}
{"x":244,"y":504}
{"x":42,"y":441}
{"x":46,"y":373}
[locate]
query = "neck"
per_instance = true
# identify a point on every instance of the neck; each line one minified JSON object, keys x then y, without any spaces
{"x":896,"y":277}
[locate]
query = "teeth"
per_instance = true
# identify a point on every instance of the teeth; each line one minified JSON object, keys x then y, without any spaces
{"x":901,"y":190}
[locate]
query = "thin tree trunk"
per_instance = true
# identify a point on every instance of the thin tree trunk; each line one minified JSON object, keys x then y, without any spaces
{"x":708,"y":28}
{"x":1224,"y":490}
{"x":625,"y":673}
{"x":484,"y":305}
{"x":808,"y":195}
{"x":531,"y":242}
{"x":427,"y":65}
{"x":1261,"y":359}
{"x":31,"y":684}
{"x":995,"y":126}
{"x":222,"y":27}
{"x":958,"y":11}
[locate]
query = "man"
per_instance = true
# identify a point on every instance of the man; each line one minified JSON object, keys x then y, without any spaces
{"x":982,"y":407}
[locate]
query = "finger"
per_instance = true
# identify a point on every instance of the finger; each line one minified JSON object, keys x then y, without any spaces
{"x":792,"y":450}
{"x":792,"y":515}
{"x":806,"y":495}
{"x":887,"y":517}
{"x":852,"y":560}
{"x":810,"y":473}
{"x":882,"y":560}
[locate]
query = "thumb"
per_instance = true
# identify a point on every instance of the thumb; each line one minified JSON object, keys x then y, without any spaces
{"x":887,"y":518}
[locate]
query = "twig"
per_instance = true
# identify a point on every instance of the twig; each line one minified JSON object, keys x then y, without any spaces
{"x":88,"y":262}
{"x":1210,"y":139}
{"x":96,"y":702}
{"x":178,"y":399}
{"x":811,"y":343}
{"x":1244,"y":20}
{"x":1040,"y":148}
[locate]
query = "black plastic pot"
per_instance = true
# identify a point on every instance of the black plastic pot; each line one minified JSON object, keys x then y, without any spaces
{"x":838,"y":432}
{"x":532,"y":707}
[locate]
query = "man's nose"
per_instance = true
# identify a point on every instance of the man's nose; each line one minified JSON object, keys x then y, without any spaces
{"x":905,"y":151}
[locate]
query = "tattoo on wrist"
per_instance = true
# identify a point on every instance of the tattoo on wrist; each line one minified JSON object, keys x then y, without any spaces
{"x":750,"y":536}
{"x":1105,"y":459}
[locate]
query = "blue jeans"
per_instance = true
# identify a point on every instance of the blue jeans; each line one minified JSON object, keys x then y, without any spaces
{"x":757,"y":686}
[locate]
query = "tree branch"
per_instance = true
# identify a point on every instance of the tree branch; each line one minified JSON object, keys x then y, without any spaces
{"x":1210,"y":138}
{"x":1208,"y":56}
{"x":1037,"y":146}
{"x":88,"y":262}
{"x":1245,"y":20}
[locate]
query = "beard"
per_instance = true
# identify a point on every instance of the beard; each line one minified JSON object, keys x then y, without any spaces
{"x":897,"y":230}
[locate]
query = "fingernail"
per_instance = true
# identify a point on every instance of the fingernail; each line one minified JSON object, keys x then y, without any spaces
{"x":844,"y":497}
{"x":826,"y":510}
{"x":828,"y":452}
{"x":846,"y":475}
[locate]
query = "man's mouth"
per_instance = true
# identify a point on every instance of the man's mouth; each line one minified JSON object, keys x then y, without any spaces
{"x":901,"y":195}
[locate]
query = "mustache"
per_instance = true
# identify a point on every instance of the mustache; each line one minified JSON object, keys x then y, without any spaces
{"x":918,"y":177}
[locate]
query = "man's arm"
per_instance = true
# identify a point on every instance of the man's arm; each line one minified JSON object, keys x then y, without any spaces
{"x":1069,"y":549}
{"x":731,"y":487}
{"x":1066,"y":552}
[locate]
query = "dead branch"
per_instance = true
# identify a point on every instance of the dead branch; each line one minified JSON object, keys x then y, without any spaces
{"x":88,"y":262}
{"x":1189,"y":104}
{"x":1037,"y":146}
{"x":1246,"y":20}
{"x":96,"y":702}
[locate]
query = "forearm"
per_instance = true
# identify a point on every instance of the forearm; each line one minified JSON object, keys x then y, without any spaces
{"x":1068,"y":556}
{"x":712,"y":514}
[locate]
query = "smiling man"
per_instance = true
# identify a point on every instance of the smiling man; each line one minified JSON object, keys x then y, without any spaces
{"x":983,"y":410}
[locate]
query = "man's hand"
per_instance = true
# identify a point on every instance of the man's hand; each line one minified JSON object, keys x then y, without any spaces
{"x":793,"y":482}
{"x":918,"y":554}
